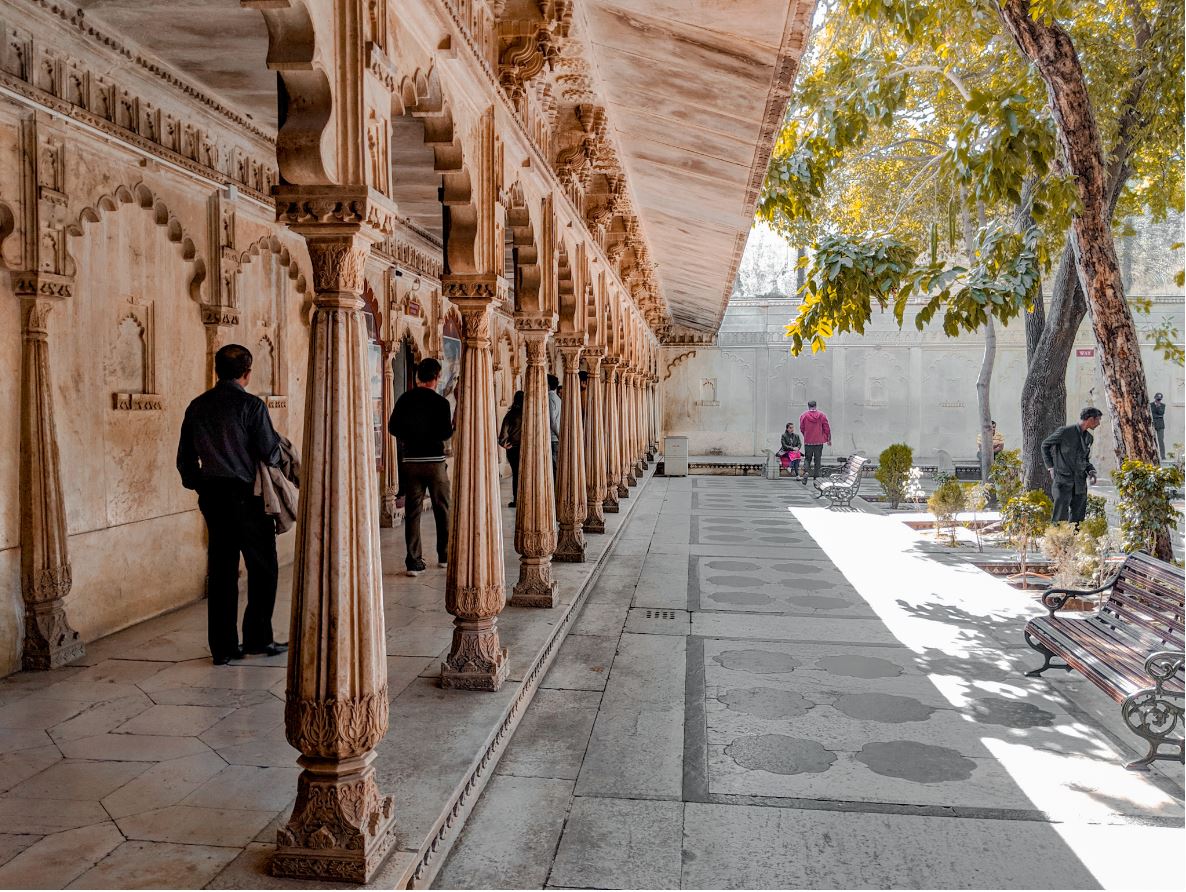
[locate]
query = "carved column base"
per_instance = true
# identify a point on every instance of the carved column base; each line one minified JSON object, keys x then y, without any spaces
{"x":610,"y":503}
{"x":640,"y":466}
{"x":341,"y":828}
{"x":50,"y":642}
{"x":477,"y":661}
{"x":570,"y":548}
{"x":595,"y":519}
{"x":536,"y":587}
{"x":632,"y":477}
{"x":624,"y":487}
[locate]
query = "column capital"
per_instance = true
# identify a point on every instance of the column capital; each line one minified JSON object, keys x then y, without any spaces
{"x":312,"y":209}
{"x":38,"y":285}
{"x":535,"y":323}
{"x":471,"y":290}
{"x":570,"y":342}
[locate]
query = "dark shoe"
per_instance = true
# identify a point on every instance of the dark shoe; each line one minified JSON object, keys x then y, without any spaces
{"x":225,"y":659}
{"x":274,"y":649}
{"x":417,"y":569}
{"x":511,"y":503}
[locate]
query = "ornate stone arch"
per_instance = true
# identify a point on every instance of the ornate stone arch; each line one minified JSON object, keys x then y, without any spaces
{"x":421,"y":96}
{"x":275,"y":246}
{"x":142,"y":195}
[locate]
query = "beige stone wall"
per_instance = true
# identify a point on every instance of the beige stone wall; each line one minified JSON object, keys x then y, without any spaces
{"x":143,"y":267}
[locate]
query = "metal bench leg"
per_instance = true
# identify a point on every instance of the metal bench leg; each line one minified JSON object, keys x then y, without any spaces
{"x":1046,"y":652}
{"x":1154,"y":715}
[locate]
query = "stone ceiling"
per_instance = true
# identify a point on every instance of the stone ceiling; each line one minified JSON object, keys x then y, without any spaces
{"x":694,"y":91}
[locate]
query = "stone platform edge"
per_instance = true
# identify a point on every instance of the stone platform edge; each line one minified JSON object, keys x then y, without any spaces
{"x":434,"y":849}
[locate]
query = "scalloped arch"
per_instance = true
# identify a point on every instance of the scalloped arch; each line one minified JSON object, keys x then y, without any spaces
{"x":142,"y":195}
{"x":275,"y":246}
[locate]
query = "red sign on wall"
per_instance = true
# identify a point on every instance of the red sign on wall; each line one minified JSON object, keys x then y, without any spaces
{"x":1085,"y":351}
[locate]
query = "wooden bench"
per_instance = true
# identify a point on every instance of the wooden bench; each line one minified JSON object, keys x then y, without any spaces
{"x":1131,"y":648}
{"x":840,"y":488}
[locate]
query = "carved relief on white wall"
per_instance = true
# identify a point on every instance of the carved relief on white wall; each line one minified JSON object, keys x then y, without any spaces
{"x":131,"y":361}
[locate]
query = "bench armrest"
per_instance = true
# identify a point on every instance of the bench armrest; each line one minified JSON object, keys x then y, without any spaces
{"x":1053,"y":599}
{"x":1163,"y":665}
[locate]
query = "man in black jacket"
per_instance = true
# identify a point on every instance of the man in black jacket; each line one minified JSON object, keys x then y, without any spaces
{"x":1067,"y":456}
{"x":226,"y":434}
{"x":1157,"y":410}
{"x":422,"y":422}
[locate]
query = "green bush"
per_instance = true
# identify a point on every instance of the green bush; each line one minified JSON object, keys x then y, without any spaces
{"x":1025,"y":519}
{"x":1061,"y":543}
{"x":893,"y":471}
{"x":945,"y":503}
{"x":1145,"y":504}
{"x":1004,"y":476}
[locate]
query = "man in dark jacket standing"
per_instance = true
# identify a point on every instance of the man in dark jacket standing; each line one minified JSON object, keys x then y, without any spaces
{"x":226,"y":434}
{"x":1067,"y":456}
{"x":1157,"y":410}
{"x":422,"y":422}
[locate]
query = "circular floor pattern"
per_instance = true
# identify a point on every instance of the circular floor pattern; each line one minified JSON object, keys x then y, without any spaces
{"x":818,"y":602}
{"x":781,"y":540}
{"x":1010,"y":713}
{"x":741,"y":599}
{"x":767,"y":703}
{"x":888,"y":708}
{"x":919,"y":762}
{"x":792,"y":569}
{"x":732,"y":566}
{"x":856,"y":666}
{"x":721,"y":537}
{"x":808,"y":585}
{"x":761,"y":662}
{"x":739,"y":581}
{"x":780,"y":754}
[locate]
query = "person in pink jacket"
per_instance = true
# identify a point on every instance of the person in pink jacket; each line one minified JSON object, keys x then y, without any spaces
{"x":813,"y":425}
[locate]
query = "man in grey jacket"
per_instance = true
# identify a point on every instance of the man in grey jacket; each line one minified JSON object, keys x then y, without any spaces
{"x":1067,"y":456}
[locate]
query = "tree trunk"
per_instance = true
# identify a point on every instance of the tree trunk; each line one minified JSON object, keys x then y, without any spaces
{"x":1044,"y":392}
{"x":984,"y":378}
{"x":1050,"y":49}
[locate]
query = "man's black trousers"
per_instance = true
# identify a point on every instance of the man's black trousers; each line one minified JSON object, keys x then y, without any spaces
{"x":236,"y":524}
{"x":1069,"y":504}
{"x":813,"y":453}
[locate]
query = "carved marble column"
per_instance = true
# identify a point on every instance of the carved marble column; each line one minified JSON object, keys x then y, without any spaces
{"x":535,"y":514}
{"x":626,"y":456}
{"x":640,"y":426}
{"x":475,"y":584}
{"x":595,"y":458}
{"x":611,"y":409}
{"x":50,"y":642}
{"x":336,"y":707}
{"x":571,"y":504}
{"x":389,"y":484}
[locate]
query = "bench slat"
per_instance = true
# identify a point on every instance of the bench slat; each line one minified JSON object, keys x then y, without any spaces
{"x":1118,"y":652}
{"x":1109,"y":669}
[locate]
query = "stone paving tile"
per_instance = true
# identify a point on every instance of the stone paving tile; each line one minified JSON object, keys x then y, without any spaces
{"x":56,"y":860}
{"x":132,"y":747}
{"x":196,"y":826}
{"x":102,"y":718}
{"x":12,"y":844}
{"x":46,"y":816}
{"x":79,"y":779}
{"x":36,"y":713}
{"x":552,"y":736}
{"x":247,"y":787}
{"x":597,"y":618}
{"x":636,"y":749}
{"x":118,"y":671}
{"x":620,"y":844}
{"x":202,"y":673}
{"x":175,"y":721}
{"x":155,"y":865}
{"x":744,"y":847}
{"x":708,"y":624}
{"x":511,"y":835}
{"x":88,"y":691}
{"x":14,"y":740}
{"x":19,"y":766}
{"x":164,"y":784}
{"x":250,"y":871}
{"x":582,"y":663}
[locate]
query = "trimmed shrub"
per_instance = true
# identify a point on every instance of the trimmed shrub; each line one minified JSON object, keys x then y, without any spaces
{"x":945,"y":503}
{"x":893,"y":471}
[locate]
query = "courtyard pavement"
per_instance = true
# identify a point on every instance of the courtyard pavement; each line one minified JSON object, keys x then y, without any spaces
{"x":144,"y":766}
{"x":761,"y":693}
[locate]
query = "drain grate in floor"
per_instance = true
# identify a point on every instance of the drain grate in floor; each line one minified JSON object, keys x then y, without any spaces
{"x":660,"y":614}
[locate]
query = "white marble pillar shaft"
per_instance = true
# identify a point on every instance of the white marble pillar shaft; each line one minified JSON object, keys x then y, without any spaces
{"x":571,"y":501}
{"x":613,"y":476}
{"x":475,"y":585}
{"x":594,"y":445}
{"x":535,"y":512}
